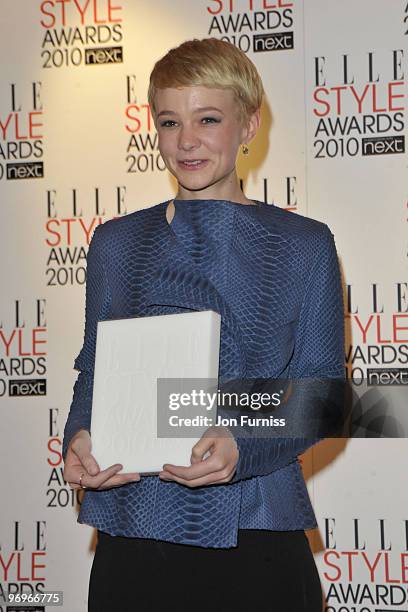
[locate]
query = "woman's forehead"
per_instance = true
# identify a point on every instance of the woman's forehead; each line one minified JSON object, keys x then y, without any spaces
{"x":194,"y":96}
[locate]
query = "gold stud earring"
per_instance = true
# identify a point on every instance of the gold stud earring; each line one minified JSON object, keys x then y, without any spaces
{"x":245,"y":149}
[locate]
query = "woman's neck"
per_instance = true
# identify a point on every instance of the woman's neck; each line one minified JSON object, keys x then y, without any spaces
{"x":228,"y":189}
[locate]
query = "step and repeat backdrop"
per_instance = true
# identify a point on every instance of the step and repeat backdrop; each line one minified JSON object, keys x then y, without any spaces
{"x":78,"y":147}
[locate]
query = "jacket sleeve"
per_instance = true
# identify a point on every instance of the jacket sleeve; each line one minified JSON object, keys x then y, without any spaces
{"x":97,"y":308}
{"x":317,"y":364}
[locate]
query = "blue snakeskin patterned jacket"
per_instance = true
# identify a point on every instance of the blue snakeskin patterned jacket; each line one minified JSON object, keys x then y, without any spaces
{"x":274,"y":277}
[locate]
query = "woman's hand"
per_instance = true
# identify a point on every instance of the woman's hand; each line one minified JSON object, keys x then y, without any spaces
{"x":80,"y":462}
{"x":219,"y":467}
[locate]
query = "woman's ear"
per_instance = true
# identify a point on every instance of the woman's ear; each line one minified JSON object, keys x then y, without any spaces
{"x":252,"y":126}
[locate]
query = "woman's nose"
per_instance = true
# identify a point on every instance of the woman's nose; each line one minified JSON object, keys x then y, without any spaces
{"x":188,"y":138}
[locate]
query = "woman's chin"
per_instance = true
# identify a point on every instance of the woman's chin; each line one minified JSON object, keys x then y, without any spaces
{"x":196,"y":186}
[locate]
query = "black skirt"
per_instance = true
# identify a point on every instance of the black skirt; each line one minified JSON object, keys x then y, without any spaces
{"x":268,"y":570}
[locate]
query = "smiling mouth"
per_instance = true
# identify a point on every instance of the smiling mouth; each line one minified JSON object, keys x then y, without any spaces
{"x":192,"y":164}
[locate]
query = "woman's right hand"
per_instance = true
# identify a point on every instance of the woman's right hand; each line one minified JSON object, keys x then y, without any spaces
{"x":80,"y":462}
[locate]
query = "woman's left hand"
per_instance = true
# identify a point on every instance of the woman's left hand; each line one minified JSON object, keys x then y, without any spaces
{"x":219,"y":467}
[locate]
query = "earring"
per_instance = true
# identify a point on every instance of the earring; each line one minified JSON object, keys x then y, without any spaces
{"x":245,"y":149}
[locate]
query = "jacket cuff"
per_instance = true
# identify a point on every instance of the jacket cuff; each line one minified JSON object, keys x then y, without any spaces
{"x":71,"y":429}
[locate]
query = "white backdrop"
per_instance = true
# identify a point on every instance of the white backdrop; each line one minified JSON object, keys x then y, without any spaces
{"x":77,"y":147}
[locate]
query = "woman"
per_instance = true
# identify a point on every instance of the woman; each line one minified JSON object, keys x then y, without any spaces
{"x":228,"y":531}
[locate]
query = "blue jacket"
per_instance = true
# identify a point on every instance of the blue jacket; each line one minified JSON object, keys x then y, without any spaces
{"x":274,"y":277}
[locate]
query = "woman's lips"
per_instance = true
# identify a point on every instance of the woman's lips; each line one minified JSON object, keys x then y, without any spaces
{"x":193,"y":164}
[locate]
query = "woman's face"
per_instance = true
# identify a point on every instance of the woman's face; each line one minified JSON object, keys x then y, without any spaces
{"x":199,"y":136}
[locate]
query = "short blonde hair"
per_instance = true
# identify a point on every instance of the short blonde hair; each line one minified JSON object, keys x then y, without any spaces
{"x":210,"y":63}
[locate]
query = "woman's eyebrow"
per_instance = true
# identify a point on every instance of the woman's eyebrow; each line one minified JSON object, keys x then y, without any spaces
{"x":197,"y":110}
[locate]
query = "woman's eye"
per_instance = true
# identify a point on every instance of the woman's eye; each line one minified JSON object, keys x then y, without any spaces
{"x":168,"y":123}
{"x":210,"y":120}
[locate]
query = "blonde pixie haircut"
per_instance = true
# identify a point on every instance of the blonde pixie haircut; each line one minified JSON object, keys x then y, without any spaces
{"x":210,"y":63}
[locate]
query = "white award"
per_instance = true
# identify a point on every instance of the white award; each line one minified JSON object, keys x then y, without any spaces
{"x":131,"y":354}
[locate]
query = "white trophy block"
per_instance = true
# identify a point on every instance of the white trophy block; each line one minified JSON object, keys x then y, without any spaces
{"x":131,"y":354}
